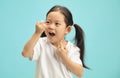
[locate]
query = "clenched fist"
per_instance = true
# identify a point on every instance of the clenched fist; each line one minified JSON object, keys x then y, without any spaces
{"x":61,"y":49}
{"x":40,"y":27}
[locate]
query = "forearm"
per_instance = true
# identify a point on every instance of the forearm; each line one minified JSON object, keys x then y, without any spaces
{"x":28,"y":48}
{"x":72,"y":66}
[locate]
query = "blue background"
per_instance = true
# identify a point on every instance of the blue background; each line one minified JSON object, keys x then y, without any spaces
{"x":100,"y":20}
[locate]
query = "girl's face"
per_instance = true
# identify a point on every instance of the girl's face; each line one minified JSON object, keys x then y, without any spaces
{"x":56,"y":27}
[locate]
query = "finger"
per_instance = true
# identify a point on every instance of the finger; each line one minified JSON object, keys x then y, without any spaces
{"x":63,"y":44}
{"x":44,"y":25}
{"x":58,"y":46}
{"x":42,"y":22}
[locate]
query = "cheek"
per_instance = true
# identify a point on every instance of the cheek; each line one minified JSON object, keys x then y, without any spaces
{"x":60,"y":33}
{"x":46,"y":28}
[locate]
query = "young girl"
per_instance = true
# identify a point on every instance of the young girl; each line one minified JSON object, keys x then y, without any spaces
{"x":55,"y":56}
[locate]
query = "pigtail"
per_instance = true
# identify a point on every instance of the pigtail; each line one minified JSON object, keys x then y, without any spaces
{"x":79,"y":39}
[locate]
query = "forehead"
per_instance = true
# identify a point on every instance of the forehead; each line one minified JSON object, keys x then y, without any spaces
{"x":55,"y":16}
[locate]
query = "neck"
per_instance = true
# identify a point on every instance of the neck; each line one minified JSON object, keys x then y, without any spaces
{"x":64,"y":42}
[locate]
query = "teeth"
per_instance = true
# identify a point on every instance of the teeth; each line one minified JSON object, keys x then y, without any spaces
{"x":52,"y":33}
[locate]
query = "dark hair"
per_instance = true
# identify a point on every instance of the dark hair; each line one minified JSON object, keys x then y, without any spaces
{"x":79,"y":38}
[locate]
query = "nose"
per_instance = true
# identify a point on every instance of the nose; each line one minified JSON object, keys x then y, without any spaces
{"x":51,"y":26}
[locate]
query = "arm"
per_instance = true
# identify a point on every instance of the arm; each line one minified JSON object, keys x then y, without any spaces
{"x":29,"y":46}
{"x":71,"y":65}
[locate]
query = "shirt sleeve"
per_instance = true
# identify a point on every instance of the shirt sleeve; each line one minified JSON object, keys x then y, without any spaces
{"x":36,"y":53}
{"x":75,"y":55}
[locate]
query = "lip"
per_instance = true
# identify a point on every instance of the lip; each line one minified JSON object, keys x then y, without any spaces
{"x":51,"y":33}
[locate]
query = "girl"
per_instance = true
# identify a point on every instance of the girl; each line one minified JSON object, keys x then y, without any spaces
{"x":56,"y":57}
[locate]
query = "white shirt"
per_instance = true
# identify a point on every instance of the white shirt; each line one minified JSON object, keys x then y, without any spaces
{"x":49,"y":64}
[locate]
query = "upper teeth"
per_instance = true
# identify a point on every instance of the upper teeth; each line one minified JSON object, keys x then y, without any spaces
{"x":51,"y":33}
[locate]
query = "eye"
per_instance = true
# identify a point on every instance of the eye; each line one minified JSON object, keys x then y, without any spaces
{"x":57,"y":24}
{"x":47,"y":22}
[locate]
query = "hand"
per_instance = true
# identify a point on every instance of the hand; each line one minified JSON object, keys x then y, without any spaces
{"x":40,"y":27}
{"x":61,"y":49}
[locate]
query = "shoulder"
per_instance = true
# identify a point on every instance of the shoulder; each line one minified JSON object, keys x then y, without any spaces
{"x":72,"y":47}
{"x":42,"y":39}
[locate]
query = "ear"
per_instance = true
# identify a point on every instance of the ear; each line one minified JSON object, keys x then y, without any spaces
{"x":68,"y":29}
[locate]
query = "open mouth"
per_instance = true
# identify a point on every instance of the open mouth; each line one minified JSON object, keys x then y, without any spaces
{"x":51,"y":33}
